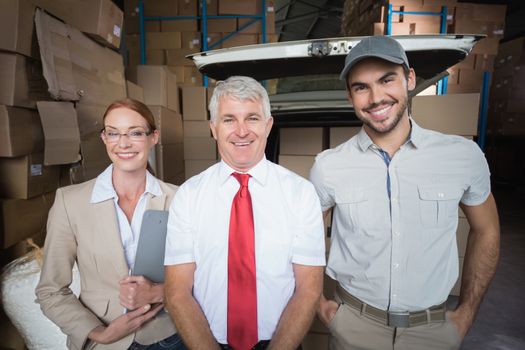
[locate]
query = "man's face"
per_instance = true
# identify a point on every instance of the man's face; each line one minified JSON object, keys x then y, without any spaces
{"x":379,"y":92}
{"x":241,"y":130}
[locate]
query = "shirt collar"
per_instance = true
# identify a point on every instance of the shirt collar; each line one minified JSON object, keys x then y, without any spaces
{"x":259,"y":172}
{"x":104,"y":190}
{"x":415,"y":137}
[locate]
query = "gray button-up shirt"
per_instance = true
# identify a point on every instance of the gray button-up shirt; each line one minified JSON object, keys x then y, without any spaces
{"x":399,"y":252}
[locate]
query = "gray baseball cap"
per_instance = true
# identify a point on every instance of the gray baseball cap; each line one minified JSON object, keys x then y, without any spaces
{"x":383,"y":47}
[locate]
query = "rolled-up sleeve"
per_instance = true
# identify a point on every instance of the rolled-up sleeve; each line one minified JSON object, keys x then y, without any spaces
{"x":180,"y":235}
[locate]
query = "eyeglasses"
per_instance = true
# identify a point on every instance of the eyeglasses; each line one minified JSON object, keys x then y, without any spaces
{"x":134,"y":135}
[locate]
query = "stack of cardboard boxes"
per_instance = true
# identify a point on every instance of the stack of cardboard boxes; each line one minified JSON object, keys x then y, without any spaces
{"x":168,"y":42}
{"x":200,"y":148}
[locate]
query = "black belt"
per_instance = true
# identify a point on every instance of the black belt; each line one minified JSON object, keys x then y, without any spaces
{"x":261,"y":345}
{"x":394,"y":318}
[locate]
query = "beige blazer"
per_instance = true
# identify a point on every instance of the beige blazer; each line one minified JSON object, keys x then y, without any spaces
{"x":87,"y":233}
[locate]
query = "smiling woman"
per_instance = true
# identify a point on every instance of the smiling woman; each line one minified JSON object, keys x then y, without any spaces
{"x":97,"y":224}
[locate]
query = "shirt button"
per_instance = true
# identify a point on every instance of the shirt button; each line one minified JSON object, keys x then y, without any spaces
{"x":441,"y":195}
{"x":394,"y":296}
{"x":396,"y":265}
{"x":396,"y":234}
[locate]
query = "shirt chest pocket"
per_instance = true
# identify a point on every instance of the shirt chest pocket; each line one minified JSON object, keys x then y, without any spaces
{"x":438,"y":204}
{"x":351,"y":204}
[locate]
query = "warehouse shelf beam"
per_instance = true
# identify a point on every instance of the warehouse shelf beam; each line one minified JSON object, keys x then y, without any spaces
{"x":483,"y":113}
{"x":204,"y":26}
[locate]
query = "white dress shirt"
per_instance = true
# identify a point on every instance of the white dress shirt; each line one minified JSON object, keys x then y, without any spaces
{"x":288,"y":230}
{"x":129,"y":234}
{"x":399,"y":254}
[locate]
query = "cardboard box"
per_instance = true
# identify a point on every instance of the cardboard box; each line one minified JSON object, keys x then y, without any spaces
{"x":89,"y":118}
{"x":76,"y":67}
{"x":61,"y":132}
{"x":135,"y":91}
{"x":488,"y":46}
{"x":27,"y":177}
{"x":17,"y":27}
{"x":20,"y":132}
{"x":481,"y":12}
{"x":471,"y":77}
{"x":485,"y":63}
{"x":187,"y":75}
{"x":213,"y":41}
{"x":343,"y":134}
{"x":256,"y":27}
{"x":238,"y":7}
{"x":511,"y":52}
{"x":300,"y":165}
{"x":194,"y":103}
{"x":34,"y":213}
{"x":131,"y":15}
{"x":187,"y":7}
{"x":397,"y":28}
{"x":100,"y":19}
{"x":165,"y":40}
{"x":169,"y":162}
{"x":240,"y":40}
{"x":450,"y":114}
{"x":200,"y":148}
{"x":270,"y":38}
{"x":153,"y":8}
{"x":301,"y":141}
{"x":191,"y":40}
{"x":180,"y":25}
{"x":21,"y":81}
{"x":412,"y":18}
{"x":193,"y":167}
{"x":463,"y":89}
{"x":222,"y":25}
{"x":160,"y":86}
{"x":197,"y":128}
{"x":491,"y":29}
{"x":427,"y":28}
{"x":169,"y":123}
{"x":211,"y":7}
{"x":178,"y":57}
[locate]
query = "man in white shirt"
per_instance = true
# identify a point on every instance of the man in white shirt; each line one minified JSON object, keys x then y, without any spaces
{"x":395,"y":190}
{"x":287,"y":236}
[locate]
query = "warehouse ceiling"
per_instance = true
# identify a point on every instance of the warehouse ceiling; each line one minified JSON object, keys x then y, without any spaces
{"x":311,"y":19}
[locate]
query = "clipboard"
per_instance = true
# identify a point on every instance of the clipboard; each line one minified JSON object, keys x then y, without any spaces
{"x":149,"y":260}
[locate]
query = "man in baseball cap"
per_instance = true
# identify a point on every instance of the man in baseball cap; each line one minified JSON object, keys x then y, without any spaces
{"x":395,"y":189}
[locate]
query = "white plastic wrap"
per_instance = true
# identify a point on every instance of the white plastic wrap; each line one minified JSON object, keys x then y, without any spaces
{"x":19,"y":281}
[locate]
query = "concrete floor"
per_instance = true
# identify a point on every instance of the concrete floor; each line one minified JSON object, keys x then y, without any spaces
{"x":500,"y":324}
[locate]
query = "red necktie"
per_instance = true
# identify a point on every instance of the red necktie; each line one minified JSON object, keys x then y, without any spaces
{"x":242,"y":289}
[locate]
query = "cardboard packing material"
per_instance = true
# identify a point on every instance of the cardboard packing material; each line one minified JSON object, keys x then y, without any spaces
{"x":197,"y":128}
{"x":450,"y":114}
{"x":164,"y":40}
{"x":61,"y":132}
{"x":240,"y":40}
{"x":343,"y":134}
{"x":178,"y":57}
{"x":193,"y":167}
{"x":491,"y":29}
{"x":194,"y":105}
{"x":480,"y":12}
{"x":77,"y":68}
{"x":238,"y":7}
{"x":94,"y":156}
{"x":187,"y":75}
{"x":160,"y":86}
{"x":211,"y":7}
{"x":21,"y":81}
{"x":187,"y":7}
{"x":34,"y":213}
{"x":17,"y":27}
{"x":427,"y":28}
{"x":485,"y":62}
{"x":100,"y":19}
{"x":27,"y":176}
{"x":180,"y":25}
{"x":169,"y":123}
{"x":300,"y":165}
{"x":89,"y":118}
{"x":20,"y":132}
{"x":191,"y":40}
{"x":200,"y":148}
{"x":170,"y":162}
{"x":413,"y":18}
{"x":155,"y":8}
{"x":301,"y":141}
{"x":397,"y":28}
{"x":463,"y":89}
{"x":471,"y":77}
{"x":487,"y":46}
{"x":131,"y":14}
{"x":135,"y":91}
{"x":222,"y":25}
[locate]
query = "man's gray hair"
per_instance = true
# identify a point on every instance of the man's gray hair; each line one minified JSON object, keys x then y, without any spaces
{"x":240,"y":88}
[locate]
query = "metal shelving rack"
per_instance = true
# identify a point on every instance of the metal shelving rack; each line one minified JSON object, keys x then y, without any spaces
{"x":204,"y":27}
{"x":442,"y":84}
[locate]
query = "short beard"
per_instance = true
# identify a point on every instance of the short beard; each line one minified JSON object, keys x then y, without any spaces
{"x":394,"y":123}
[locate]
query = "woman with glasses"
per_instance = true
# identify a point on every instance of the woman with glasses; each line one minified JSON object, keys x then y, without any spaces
{"x":97,"y":224}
